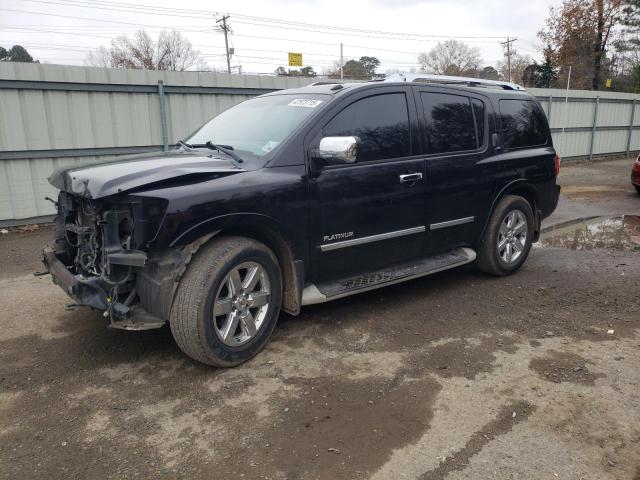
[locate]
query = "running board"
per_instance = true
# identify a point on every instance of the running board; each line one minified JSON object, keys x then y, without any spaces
{"x":328,"y":291}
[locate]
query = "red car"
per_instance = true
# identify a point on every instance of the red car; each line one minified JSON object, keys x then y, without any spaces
{"x":635,"y":174}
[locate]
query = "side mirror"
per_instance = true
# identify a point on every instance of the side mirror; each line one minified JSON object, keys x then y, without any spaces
{"x":335,"y":150}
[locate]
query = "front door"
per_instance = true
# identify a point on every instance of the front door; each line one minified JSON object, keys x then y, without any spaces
{"x":370,"y":214}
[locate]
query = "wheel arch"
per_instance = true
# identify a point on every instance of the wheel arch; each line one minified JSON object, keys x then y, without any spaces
{"x":261,"y":228}
{"x":523,"y":188}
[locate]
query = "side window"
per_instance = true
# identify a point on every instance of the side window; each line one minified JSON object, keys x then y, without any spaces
{"x":449,"y":122}
{"x":380,"y":122}
{"x":523,"y":124}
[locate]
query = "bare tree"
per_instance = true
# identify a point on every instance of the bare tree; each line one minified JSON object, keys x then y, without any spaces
{"x":177,"y":52}
{"x":518,"y":65}
{"x":171,"y":51}
{"x":579,"y":33}
{"x":451,"y":57}
{"x":101,"y":57}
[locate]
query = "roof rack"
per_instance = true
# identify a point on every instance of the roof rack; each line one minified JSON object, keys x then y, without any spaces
{"x":472,"y":82}
{"x":324,"y":82}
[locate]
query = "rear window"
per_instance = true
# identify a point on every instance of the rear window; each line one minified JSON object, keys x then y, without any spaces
{"x":523,"y":124}
{"x":450,"y":124}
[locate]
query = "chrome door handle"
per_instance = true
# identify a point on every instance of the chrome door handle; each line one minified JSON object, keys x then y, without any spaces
{"x":410,"y":177}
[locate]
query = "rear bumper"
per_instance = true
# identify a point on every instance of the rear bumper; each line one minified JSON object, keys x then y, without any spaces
{"x":84,"y":291}
{"x":549,"y":200}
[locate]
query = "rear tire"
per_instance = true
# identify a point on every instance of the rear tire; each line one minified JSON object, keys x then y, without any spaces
{"x":508,"y":238}
{"x":637,"y":188}
{"x":227,"y":303}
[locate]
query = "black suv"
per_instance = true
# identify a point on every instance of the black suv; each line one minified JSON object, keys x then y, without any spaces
{"x":303,"y":196}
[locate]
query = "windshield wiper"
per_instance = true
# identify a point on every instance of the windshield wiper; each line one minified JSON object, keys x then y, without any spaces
{"x":226,"y":149}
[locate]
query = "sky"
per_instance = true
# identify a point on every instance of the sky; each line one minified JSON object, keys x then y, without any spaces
{"x":394,"y":31}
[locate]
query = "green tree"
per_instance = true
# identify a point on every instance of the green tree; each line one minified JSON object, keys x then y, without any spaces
{"x":361,"y":69}
{"x":547,"y":73}
{"x":369,"y":65}
{"x":631,"y":24}
{"x":307,"y":72}
{"x":17,"y":53}
{"x":631,"y":19}
{"x":489,"y":73}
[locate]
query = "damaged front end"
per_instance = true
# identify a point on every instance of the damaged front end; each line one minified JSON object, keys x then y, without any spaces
{"x":100,"y":249}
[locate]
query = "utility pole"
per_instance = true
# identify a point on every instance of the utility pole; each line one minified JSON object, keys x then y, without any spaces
{"x":341,"y":63}
{"x":226,"y":29}
{"x":509,"y":53}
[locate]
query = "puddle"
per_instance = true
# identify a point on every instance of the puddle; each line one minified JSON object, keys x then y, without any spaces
{"x":615,"y":232}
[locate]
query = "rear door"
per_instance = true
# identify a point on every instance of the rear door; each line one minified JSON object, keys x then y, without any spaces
{"x":460,"y":175}
{"x":369,"y":214}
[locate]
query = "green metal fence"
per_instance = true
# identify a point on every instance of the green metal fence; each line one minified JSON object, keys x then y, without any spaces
{"x":54,"y":115}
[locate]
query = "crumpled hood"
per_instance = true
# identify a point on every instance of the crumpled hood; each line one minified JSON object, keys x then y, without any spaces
{"x":125,"y":173}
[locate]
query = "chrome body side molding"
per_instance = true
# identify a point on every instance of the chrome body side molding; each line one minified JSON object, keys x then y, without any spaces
{"x":451,"y":223}
{"x":372,"y":238}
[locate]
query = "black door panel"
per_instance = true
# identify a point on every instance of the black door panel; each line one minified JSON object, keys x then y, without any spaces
{"x":459,"y":171}
{"x":371,"y":201}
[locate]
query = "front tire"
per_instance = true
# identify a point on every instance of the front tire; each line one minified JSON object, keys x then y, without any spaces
{"x":508,"y":238}
{"x":227,"y":303}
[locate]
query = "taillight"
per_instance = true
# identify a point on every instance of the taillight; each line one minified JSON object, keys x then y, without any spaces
{"x":557,"y":160}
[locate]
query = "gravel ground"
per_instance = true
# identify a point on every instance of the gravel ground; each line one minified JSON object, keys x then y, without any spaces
{"x":455,"y":376}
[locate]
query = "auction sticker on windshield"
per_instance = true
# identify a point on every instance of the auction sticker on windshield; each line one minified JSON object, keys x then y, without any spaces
{"x":302,"y":102}
{"x":270,"y":145}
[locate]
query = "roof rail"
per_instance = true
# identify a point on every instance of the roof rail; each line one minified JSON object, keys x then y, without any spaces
{"x":324,"y":82}
{"x":472,"y":82}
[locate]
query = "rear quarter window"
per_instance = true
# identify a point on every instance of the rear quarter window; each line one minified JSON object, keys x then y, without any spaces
{"x":523,"y":124}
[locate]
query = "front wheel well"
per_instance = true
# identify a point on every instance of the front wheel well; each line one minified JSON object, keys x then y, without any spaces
{"x":276,"y":242}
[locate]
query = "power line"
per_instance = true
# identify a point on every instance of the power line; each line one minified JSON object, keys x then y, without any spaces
{"x":91,"y":19}
{"x":243,"y":19}
{"x":341,"y":33}
{"x":306,"y":54}
{"x":263,"y":21}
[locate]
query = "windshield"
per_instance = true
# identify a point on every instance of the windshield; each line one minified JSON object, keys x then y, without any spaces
{"x":255,"y":127}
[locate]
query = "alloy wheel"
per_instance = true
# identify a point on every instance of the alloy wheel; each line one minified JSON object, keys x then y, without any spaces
{"x":242,"y":303}
{"x":512,"y":238}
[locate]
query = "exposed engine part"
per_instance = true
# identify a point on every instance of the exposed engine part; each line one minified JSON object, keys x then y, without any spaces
{"x":101,"y":244}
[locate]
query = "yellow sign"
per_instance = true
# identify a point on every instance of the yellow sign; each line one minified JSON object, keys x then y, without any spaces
{"x":295,"y":59}
{"x":608,"y":83}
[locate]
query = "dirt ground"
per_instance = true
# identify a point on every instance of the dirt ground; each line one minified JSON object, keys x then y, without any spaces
{"x":456,"y":376}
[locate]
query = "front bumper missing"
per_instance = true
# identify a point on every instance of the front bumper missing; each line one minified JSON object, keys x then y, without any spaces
{"x":88,"y":292}
{"x":84,"y":291}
